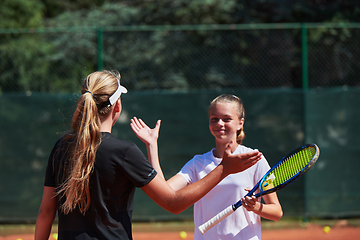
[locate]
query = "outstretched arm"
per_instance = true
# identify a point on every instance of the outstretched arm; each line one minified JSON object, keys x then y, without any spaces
{"x":149,"y":137}
{"x":176,"y":201}
{"x":179,"y":198}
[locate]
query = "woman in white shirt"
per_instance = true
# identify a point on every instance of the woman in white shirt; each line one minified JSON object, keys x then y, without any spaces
{"x":226,"y":121}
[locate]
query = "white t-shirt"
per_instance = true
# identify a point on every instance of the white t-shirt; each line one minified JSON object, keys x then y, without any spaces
{"x":241,"y":224}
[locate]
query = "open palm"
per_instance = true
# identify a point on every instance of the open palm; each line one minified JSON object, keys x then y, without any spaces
{"x":143,"y":132}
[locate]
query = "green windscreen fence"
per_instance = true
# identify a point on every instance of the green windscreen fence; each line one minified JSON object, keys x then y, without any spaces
{"x":277,"y":121}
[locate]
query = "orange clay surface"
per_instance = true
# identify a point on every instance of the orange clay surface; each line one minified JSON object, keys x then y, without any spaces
{"x":309,"y":232}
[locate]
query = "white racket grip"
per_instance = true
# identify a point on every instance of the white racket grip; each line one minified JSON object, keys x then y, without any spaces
{"x":215,"y":220}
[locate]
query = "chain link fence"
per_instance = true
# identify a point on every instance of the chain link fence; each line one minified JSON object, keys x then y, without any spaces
{"x":299,"y":83}
{"x":182,"y":57}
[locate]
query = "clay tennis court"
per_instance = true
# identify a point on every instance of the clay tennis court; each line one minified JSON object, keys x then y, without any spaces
{"x":339,"y":230}
{"x":288,"y":234}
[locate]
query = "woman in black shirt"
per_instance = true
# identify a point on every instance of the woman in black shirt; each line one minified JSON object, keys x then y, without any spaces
{"x":91,"y":175}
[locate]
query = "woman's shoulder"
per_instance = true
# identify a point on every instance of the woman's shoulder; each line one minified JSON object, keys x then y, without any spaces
{"x":263,"y":164}
{"x":110,"y":141}
{"x":203,"y":155}
{"x":113,"y":147}
{"x":202,"y":159}
{"x":244,"y":149}
{"x":106,"y":136}
{"x":63,"y":142}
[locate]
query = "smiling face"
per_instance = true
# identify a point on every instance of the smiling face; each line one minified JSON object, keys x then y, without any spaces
{"x":224,"y":121}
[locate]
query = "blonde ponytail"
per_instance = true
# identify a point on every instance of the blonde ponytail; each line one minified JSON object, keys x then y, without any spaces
{"x":85,"y":139}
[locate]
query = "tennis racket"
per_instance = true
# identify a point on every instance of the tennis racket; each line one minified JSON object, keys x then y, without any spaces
{"x":289,"y":168}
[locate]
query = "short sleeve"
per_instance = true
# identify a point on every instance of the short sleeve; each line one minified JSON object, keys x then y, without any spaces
{"x":262,"y":168}
{"x":50,"y":173}
{"x":138,"y":169}
{"x":187,"y":172}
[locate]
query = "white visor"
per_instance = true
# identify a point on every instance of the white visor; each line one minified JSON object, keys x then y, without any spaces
{"x":113,"y":98}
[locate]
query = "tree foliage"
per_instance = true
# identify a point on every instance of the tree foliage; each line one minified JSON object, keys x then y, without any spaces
{"x":21,"y":14}
{"x":159,"y":59}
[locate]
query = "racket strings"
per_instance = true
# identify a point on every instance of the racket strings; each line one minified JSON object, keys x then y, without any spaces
{"x":292,"y":165}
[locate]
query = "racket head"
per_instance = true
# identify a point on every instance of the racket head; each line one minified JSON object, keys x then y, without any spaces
{"x":289,"y":168}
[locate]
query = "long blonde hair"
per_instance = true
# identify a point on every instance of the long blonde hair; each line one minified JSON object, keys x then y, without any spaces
{"x":229,"y":98}
{"x":84,"y":139}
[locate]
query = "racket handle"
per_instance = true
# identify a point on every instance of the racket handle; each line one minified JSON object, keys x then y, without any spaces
{"x":215,"y":220}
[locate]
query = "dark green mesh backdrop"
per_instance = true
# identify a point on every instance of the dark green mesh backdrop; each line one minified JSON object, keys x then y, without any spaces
{"x":195,"y":61}
{"x":277,"y":121}
{"x":332,"y":119}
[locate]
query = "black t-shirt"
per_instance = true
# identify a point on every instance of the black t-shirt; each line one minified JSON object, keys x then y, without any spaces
{"x":120,"y":167}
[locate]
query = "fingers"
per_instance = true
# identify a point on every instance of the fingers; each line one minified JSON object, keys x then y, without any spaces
{"x":252,"y":158}
{"x":235,"y":163}
{"x":137,"y":124}
{"x":230,"y":144}
{"x":246,"y":163}
{"x":252,"y":154}
{"x":242,"y":161}
{"x":157,"y":126}
{"x":142,"y":124}
{"x":134,"y":124}
{"x":247,"y":189}
{"x":228,"y":147}
{"x":249,"y":203}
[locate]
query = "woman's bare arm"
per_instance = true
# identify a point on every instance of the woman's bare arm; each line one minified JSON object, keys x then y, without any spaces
{"x":47,"y":213}
{"x":176,"y":201}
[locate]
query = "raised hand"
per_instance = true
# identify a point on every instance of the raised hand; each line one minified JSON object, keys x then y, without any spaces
{"x":143,"y":132}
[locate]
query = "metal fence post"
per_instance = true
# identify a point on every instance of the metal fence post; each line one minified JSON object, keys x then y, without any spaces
{"x":305,"y":86}
{"x":100,"y":48}
{"x":304,"y":53}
